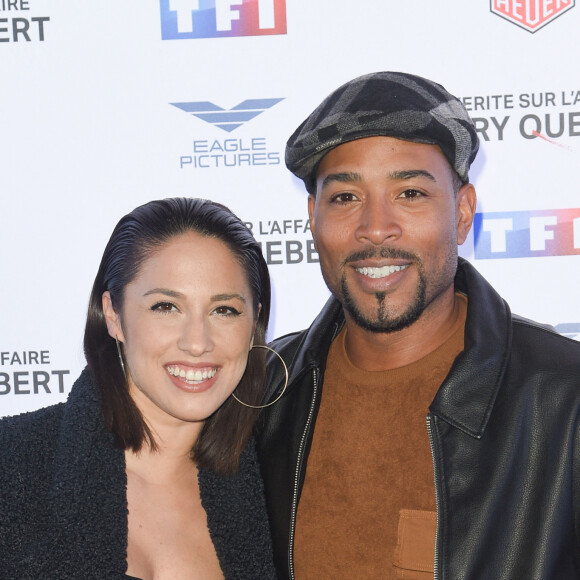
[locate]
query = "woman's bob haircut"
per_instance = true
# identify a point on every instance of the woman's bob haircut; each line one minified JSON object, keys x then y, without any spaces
{"x":136,"y":236}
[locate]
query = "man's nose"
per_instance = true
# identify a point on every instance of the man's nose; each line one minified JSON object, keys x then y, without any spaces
{"x":378,"y":223}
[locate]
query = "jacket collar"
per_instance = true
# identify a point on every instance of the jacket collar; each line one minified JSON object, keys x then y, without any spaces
{"x":88,"y":488}
{"x":84,"y":443}
{"x":466,"y":396}
{"x":313,"y":349}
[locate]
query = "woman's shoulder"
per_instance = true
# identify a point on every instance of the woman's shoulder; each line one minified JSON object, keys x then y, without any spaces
{"x":31,"y":422}
{"x":27,"y":450}
{"x":29,"y":435}
{"x":43,"y":425}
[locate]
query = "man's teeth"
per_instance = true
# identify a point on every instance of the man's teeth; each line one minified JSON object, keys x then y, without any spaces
{"x":191,"y":375}
{"x":380,"y":272}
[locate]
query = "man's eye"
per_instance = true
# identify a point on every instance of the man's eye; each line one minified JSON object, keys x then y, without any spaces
{"x":343,"y":197}
{"x":163,"y":307}
{"x":411,"y":194}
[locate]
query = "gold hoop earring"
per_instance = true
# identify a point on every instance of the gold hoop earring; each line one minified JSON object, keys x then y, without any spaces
{"x":285,"y":382}
{"x":120,"y":356}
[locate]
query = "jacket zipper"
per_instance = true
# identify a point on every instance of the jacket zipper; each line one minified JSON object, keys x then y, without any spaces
{"x":437,"y":498}
{"x":299,"y":459}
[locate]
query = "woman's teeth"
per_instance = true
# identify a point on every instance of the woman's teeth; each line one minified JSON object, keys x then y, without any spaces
{"x":190,"y":374}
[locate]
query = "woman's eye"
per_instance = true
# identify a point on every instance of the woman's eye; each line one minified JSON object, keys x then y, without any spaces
{"x":163,"y":307}
{"x":227,"y":311}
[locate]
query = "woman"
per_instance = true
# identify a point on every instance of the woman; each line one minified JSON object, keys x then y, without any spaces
{"x":148,"y":470}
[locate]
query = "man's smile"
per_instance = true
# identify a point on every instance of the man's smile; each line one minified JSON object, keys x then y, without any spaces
{"x":382,"y":272}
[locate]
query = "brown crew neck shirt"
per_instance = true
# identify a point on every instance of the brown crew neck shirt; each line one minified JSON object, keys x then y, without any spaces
{"x":367,"y":508}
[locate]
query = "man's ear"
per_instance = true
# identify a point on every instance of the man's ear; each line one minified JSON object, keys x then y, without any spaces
{"x":465,"y":204}
{"x":311,"y":206}
{"x":112,"y":318}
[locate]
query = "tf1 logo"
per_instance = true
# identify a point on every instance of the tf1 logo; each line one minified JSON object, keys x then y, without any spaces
{"x":221,"y":18}
{"x":527,"y":234}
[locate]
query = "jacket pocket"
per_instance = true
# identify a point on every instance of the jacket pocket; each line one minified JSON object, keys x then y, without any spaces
{"x":415,"y":551}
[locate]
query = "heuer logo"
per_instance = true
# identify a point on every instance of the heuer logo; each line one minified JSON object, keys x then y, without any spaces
{"x":531,"y":14}
{"x":227,"y":119}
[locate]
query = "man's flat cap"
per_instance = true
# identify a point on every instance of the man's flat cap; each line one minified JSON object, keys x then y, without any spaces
{"x":390,"y":104}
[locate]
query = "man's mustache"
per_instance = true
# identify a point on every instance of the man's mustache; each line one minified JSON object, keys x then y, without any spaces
{"x":380,"y":252}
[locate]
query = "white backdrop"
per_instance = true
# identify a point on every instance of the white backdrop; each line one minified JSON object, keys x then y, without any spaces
{"x":103,"y":106}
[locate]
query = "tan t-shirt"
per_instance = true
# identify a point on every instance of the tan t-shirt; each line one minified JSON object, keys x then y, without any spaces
{"x":367,"y":508}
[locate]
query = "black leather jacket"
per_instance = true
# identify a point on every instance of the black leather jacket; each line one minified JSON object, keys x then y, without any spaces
{"x":504,"y":435}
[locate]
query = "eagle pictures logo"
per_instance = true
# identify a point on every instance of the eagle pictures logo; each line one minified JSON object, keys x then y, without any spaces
{"x":227,"y":119}
{"x":531,"y":14}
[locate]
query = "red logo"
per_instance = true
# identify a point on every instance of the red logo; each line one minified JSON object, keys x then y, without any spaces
{"x":531,"y":14}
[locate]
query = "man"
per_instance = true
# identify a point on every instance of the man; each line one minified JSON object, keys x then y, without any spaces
{"x":425,"y":430}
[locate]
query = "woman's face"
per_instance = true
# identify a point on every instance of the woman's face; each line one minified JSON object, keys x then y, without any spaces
{"x":187,"y":325}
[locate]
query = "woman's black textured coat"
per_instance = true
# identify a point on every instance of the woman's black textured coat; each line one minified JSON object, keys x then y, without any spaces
{"x":63,"y":499}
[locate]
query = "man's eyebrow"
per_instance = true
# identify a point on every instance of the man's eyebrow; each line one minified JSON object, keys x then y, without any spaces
{"x":345,"y":177}
{"x":397,"y":175}
{"x":410,"y":174}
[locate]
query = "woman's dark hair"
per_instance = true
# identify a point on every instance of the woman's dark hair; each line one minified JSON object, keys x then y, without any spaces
{"x":134,"y":238}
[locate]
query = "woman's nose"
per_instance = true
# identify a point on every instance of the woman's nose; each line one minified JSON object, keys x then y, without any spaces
{"x":195,"y":336}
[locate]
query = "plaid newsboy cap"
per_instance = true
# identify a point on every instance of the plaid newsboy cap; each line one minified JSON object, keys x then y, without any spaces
{"x":391,"y":104}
